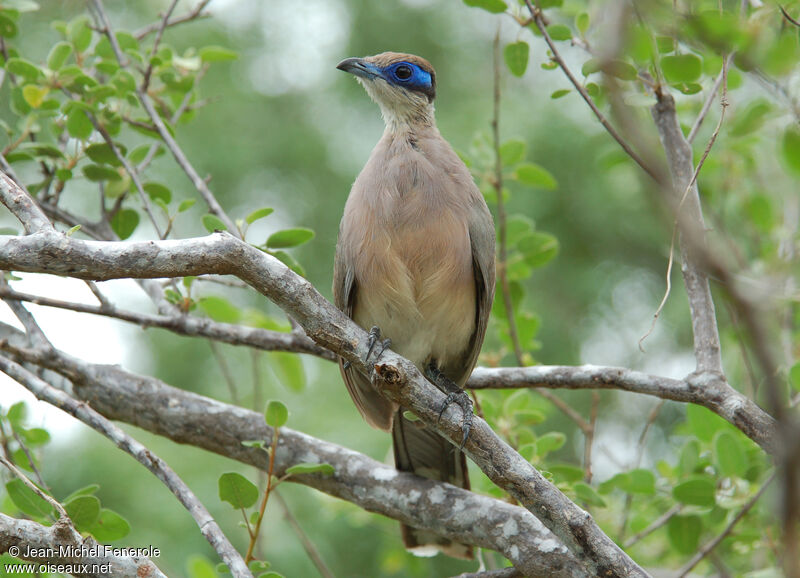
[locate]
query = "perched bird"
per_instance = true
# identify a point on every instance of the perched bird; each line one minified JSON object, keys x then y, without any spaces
{"x":415,"y":258}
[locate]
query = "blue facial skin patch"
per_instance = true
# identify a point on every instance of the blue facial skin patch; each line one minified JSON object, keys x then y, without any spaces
{"x":419,"y":79}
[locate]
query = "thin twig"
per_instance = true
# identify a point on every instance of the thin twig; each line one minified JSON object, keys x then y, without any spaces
{"x":706,"y":106}
{"x":308,"y":545}
{"x":654,"y":525}
{"x":789,"y":18}
{"x":156,"y":42}
{"x":709,"y":546}
{"x":536,"y":14}
{"x":195,"y":13}
{"x":130,"y":170}
{"x":208,"y":527}
{"x":62,"y":513}
{"x":31,"y":462}
{"x":186,"y":325}
{"x":226,"y":372}
{"x":270,"y":469}
{"x":706,"y":358}
{"x":589,"y":438}
{"x":503,"y":249}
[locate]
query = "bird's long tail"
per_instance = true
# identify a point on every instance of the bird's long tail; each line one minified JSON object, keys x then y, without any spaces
{"x":425,"y":453}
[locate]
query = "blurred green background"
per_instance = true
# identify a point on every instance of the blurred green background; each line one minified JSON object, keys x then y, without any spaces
{"x":283,"y":128}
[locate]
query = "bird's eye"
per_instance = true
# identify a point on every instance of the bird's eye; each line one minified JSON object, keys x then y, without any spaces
{"x":403,"y":72}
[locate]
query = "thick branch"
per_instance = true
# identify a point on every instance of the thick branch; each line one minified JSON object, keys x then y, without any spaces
{"x":707,"y":390}
{"x":224,"y":254}
{"x":266,"y":340}
{"x":22,"y":206}
{"x":208,"y":527}
{"x":25,"y":534}
{"x":205,"y":423}
{"x":691,"y":226}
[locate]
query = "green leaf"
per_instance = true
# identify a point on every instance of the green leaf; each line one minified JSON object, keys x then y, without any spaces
{"x":101,"y":153}
{"x":25,"y":69}
{"x":582,"y":22}
{"x":684,"y":533}
{"x":559,"y":32}
{"x":257,"y":566}
{"x":493,"y":6}
{"x":703,"y":422}
{"x":78,"y":124}
{"x":729,"y":455}
{"x":28,"y":501}
{"x":566,"y":473}
{"x":276,"y":414}
{"x":58,"y":55}
{"x":8,"y":27}
{"x":681,"y":67}
{"x":560,"y":93}
{"x":289,"y":238}
{"x":186,"y":205}
{"x":535,"y":176}
{"x":101,"y":173}
{"x":538,"y":248}
{"x":89,"y":490}
{"x":665,"y":44}
{"x":220,"y":309}
{"x":751,"y":119}
{"x":790,"y":149}
{"x":16,"y":414}
{"x":110,"y":526}
{"x":212,"y":223}
{"x":34,"y":436}
{"x":139,"y":153}
{"x":237,"y":490}
{"x":84,"y":511}
{"x":289,"y":261}
{"x":550,"y":442}
{"x":217,"y":54}
{"x":124,"y":223}
{"x":516,"y":56}
{"x":794,"y":376}
{"x":289,"y":369}
{"x":79,"y":33}
{"x":258,"y":214}
{"x":34,"y":95}
{"x":513,"y":151}
{"x":585,"y":493}
{"x":697,"y":491}
{"x":305,"y":468}
{"x":199,"y":567}
{"x":640,"y":481}
{"x":158,"y":191}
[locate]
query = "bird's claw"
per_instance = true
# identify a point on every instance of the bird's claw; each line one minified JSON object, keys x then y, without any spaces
{"x":373,"y":340}
{"x":462,"y":400}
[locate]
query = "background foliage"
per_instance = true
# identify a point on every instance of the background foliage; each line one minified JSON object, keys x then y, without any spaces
{"x":279,"y":128}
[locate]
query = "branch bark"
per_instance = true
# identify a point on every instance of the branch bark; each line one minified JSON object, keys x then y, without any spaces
{"x":708,"y":390}
{"x":189,"y":418}
{"x":25,"y":534}
{"x":208,"y":527}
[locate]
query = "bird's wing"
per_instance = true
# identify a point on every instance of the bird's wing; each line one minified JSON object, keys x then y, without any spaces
{"x":482,"y":242}
{"x":374,"y":408}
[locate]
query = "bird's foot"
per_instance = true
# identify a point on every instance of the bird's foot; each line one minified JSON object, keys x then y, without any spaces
{"x":454,"y":395}
{"x":376,"y":345}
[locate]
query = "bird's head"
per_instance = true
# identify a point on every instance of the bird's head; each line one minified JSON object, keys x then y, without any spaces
{"x":403,"y":85}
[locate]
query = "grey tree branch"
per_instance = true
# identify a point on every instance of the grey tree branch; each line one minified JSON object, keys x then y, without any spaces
{"x":400,"y":380}
{"x":691,"y":226}
{"x":193,"y":14}
{"x":208,"y":527}
{"x":23,"y":534}
{"x":192,"y":419}
{"x":187,"y":325}
{"x":707,"y":390}
{"x":22,"y":206}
